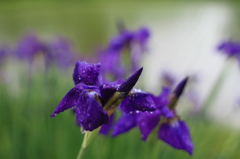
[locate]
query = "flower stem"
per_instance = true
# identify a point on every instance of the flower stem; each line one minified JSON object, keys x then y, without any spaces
{"x":88,"y":138}
{"x":216,"y":87}
{"x":81,"y":153}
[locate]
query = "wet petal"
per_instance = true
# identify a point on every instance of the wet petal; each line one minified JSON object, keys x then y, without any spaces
{"x":138,"y":101}
{"x":70,"y":100}
{"x":177,"y":135}
{"x":89,"y":113}
{"x":124,"y":124}
{"x":147,"y":121}
{"x":89,"y":74}
{"x":142,"y":101}
{"x":105,"y":129}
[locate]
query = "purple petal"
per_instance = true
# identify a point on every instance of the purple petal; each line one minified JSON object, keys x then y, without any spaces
{"x":230,"y":48}
{"x":142,"y":35}
{"x":107,"y":90}
{"x":147,"y":121}
{"x":130,"y":82}
{"x":166,"y":112}
{"x":138,"y":101}
{"x":70,"y":100}
{"x":89,"y":113}
{"x":124,"y":124}
{"x":105,"y":129}
{"x":177,"y":135}
{"x":116,"y":43}
{"x":168,"y":78}
{"x":62,"y":51}
{"x":127,"y":36}
{"x":180,"y":87}
{"x":28,"y":47}
{"x":111,"y":64}
{"x":126,"y":105}
{"x":142,"y":101}
{"x":162,"y":99}
{"x":89,"y":74}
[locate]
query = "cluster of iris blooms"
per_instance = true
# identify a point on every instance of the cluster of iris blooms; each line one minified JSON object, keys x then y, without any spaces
{"x":58,"y":51}
{"x":96,"y":95}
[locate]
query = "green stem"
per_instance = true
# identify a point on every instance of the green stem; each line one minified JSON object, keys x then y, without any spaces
{"x":88,"y":138}
{"x":81,"y":153}
{"x":216,"y":87}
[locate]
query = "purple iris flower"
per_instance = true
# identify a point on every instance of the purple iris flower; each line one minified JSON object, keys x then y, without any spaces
{"x":172,"y":131}
{"x":230,"y":48}
{"x":93,"y":100}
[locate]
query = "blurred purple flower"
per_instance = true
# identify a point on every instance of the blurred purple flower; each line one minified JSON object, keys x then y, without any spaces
{"x":28,"y":47}
{"x":59,"y":51}
{"x":111,"y":57}
{"x":111,"y":64}
{"x":168,"y":79}
{"x":230,"y":48}
{"x":62,"y":52}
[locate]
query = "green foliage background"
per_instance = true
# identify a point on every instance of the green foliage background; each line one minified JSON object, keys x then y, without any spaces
{"x":26,"y":129}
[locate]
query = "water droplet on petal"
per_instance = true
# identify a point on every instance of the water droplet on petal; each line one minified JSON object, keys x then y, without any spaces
{"x":83,"y":131}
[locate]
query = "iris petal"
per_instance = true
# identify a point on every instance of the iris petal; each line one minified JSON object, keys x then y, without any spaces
{"x":162,"y":99}
{"x":89,"y":74}
{"x":138,"y":101}
{"x":70,"y":100}
{"x":124,"y":124}
{"x":177,"y":135}
{"x":147,"y":121}
{"x":127,"y":85}
{"x":89,"y":113}
{"x":106,"y":127}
